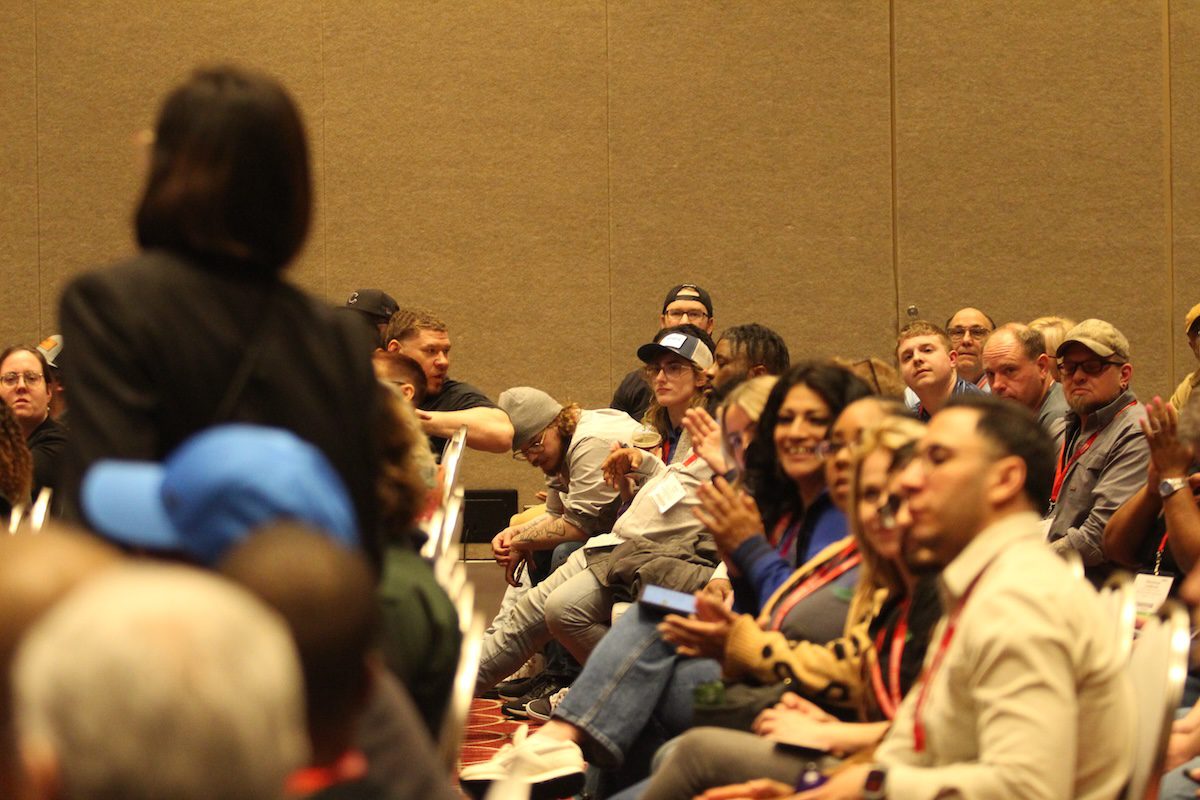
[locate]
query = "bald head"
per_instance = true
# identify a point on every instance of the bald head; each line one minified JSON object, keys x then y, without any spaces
{"x":1017,"y":366}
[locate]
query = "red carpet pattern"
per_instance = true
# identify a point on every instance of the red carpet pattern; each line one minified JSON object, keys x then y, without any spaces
{"x":488,"y":730}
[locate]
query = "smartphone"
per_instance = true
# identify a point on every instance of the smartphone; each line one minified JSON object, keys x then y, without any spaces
{"x":667,"y":600}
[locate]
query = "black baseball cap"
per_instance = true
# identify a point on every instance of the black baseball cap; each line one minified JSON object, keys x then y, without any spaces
{"x":688,"y":291}
{"x":681,"y":344}
{"x":375,"y":303}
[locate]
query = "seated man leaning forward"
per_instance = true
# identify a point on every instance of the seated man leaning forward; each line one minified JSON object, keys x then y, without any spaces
{"x":927,"y":364}
{"x":448,"y":404}
{"x":658,"y":533}
{"x":1025,"y":692}
{"x":1104,"y":456}
{"x":569,"y":445}
{"x":1018,"y":369}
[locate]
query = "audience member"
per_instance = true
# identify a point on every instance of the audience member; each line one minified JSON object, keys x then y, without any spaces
{"x":640,"y":675}
{"x":376,"y":307}
{"x":684,"y":304}
{"x":402,"y":372}
{"x":51,"y":349}
{"x":16,"y":465}
{"x":927,"y":364}
{"x":1018,"y":369}
{"x":569,"y":446}
{"x":1025,"y":692}
{"x":1054,"y":331}
{"x":35,"y":573}
{"x":448,"y":404}
{"x":1157,"y":530}
{"x":747,"y":351}
{"x":1191,"y":329}
{"x":323,"y":592}
{"x":420,"y":632}
{"x":892,"y":651}
{"x":677,"y":364}
{"x":968,"y":329}
{"x":1103,"y":459}
{"x":26,"y":392}
{"x":200,"y":327}
{"x":150,"y":682}
{"x":209,"y":495}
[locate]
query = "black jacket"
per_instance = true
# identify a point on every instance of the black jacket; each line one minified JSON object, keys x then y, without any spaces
{"x":155,"y":344}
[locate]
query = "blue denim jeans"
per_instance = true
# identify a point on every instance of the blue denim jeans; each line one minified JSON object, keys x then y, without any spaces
{"x":632,"y":676}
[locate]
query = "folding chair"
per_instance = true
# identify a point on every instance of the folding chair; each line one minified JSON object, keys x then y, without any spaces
{"x":1158,"y":669}
{"x":1118,"y":599}
{"x":450,"y":737}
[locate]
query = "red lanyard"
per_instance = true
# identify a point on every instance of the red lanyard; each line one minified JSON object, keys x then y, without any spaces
{"x":840,"y":564}
{"x":1060,"y":474}
{"x":935,"y":665}
{"x":786,"y":532}
{"x":351,"y":766}
{"x":1158,"y":556}
{"x":889,"y":696}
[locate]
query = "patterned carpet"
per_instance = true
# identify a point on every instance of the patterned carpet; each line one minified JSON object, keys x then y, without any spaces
{"x":488,"y":730}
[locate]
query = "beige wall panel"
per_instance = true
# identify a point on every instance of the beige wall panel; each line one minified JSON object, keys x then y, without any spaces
{"x":1185,"y":163}
{"x":750,"y":154}
{"x":466,"y":172}
{"x":18,"y":176}
{"x":1031,"y":165}
{"x":103,"y":69}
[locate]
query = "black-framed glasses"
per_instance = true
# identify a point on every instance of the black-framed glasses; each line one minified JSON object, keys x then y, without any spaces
{"x":1089,"y":367}
{"x":676,"y":315}
{"x":531,"y":449}
{"x":961,"y":331}
{"x":31,"y":378}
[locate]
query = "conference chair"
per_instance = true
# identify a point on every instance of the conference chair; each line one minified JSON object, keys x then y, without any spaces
{"x":1158,"y":669}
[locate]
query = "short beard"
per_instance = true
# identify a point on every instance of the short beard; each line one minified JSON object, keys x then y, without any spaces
{"x":1084,"y":407}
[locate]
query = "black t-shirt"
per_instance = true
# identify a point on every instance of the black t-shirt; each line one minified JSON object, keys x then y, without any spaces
{"x":157,"y":340}
{"x":633,"y":396}
{"x":1148,"y":553}
{"x":923,"y":615}
{"x":47,"y":443}
{"x":454,"y":396}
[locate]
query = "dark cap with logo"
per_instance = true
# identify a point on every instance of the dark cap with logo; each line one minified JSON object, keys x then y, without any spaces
{"x":375,"y":303}
{"x":688,"y":291}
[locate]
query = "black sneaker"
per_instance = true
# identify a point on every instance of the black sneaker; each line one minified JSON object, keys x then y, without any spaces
{"x":511,"y":690}
{"x":543,"y":686}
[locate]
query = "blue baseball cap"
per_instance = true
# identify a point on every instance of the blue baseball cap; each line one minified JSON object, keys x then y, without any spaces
{"x":214,"y":489}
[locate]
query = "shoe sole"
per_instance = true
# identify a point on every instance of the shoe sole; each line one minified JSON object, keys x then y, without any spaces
{"x":553,"y":788}
{"x":515,"y":712}
{"x":531,"y":714}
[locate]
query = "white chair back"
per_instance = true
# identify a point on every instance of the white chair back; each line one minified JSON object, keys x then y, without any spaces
{"x":1158,"y":669}
{"x":15,"y":517}
{"x":1117,"y":597}
{"x":452,"y":455}
{"x":41,"y":510}
{"x":450,"y":737}
{"x":449,"y":524}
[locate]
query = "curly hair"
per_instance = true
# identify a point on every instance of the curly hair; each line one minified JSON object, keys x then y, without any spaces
{"x":16,"y":462}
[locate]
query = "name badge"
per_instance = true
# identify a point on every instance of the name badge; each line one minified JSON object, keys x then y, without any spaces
{"x":667,"y":494}
{"x":1150,"y":592}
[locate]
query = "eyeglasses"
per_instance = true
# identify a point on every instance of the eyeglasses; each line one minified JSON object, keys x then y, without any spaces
{"x":10,"y":379}
{"x":673,"y":369}
{"x":531,"y":449}
{"x":1091,"y":367}
{"x":675,"y":315}
{"x":960,"y":332}
{"x":888,"y":508}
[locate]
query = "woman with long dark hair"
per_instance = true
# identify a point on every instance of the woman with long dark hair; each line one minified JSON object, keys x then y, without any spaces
{"x":200,"y":327}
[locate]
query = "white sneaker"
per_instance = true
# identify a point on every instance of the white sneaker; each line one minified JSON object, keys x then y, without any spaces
{"x":552,"y":768}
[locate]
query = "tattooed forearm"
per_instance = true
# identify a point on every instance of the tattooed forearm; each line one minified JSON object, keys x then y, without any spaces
{"x":546,"y":534}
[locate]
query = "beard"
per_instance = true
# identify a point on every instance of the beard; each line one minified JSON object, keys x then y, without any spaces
{"x":1084,"y":405}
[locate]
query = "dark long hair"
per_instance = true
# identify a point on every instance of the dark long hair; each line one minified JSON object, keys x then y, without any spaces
{"x":773,"y":491}
{"x":229,"y":175}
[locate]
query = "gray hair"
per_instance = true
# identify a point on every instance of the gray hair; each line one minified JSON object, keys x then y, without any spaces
{"x":162,"y":681}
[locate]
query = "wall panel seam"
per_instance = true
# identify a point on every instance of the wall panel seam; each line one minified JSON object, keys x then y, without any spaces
{"x":1169,"y":184}
{"x":892,"y":147}
{"x":37,"y":173}
{"x":324,"y":207}
{"x":608,"y":190}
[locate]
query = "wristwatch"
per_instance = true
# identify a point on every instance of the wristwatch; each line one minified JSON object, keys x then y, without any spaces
{"x":875,"y":787}
{"x":1170,"y":486}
